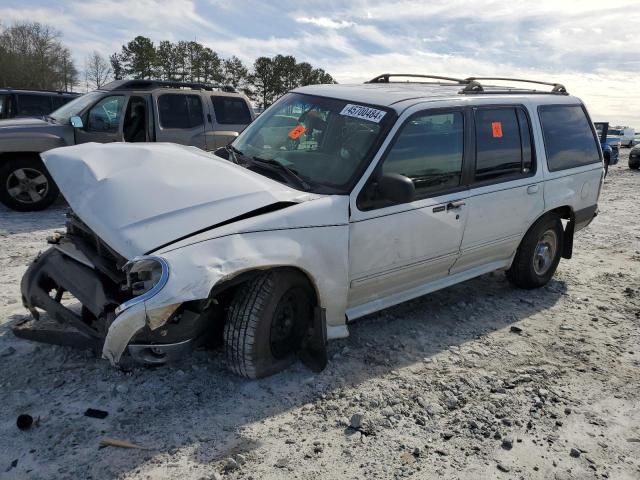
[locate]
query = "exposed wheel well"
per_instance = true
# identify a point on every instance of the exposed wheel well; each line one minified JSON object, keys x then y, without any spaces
{"x":8,"y":156}
{"x":223,"y":292}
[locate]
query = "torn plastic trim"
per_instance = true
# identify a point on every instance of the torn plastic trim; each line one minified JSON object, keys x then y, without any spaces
{"x":122,"y":330}
{"x":164,"y":278}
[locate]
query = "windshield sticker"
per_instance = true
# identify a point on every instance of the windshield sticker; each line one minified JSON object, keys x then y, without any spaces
{"x":295,"y":133}
{"x":362,"y":112}
{"x":496,"y":128}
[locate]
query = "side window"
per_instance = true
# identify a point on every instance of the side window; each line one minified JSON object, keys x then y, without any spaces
{"x":429,"y":151}
{"x":568,"y":137}
{"x":6,"y":106}
{"x":36,"y":105}
{"x":104,"y":116}
{"x":231,"y":110}
{"x":59,"y":101}
{"x":180,"y":111}
{"x":503,"y":144}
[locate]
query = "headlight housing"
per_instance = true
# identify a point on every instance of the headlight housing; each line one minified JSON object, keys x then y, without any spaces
{"x":146,"y":276}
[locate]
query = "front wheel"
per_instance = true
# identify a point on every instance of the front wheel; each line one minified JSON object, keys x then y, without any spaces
{"x":26,"y":186}
{"x":266,"y":323}
{"x":538,"y":255}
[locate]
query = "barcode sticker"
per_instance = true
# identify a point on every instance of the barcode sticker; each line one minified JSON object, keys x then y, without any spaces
{"x":362,"y":112}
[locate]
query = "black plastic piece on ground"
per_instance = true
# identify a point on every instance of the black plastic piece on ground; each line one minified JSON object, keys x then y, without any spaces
{"x":94,"y":413}
{"x":24,"y":421}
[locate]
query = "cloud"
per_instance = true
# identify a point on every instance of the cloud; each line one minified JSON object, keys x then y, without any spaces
{"x":324,"y":22}
{"x":592,"y":47}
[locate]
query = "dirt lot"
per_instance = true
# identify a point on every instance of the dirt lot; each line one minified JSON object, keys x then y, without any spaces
{"x":477,"y":381}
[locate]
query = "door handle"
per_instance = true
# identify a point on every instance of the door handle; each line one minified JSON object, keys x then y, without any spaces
{"x":531,"y":189}
{"x":455,"y":205}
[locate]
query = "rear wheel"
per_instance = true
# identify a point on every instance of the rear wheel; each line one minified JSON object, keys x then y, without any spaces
{"x":266,"y":322}
{"x":538,"y":254}
{"x":26,"y":186}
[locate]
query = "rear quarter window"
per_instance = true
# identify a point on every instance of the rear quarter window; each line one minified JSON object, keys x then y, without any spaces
{"x":568,"y":137}
{"x":231,"y":111}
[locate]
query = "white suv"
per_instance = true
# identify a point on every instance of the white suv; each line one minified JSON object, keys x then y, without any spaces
{"x":338,"y":201}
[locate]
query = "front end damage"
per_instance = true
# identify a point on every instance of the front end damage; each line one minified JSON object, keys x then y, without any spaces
{"x":80,"y":268}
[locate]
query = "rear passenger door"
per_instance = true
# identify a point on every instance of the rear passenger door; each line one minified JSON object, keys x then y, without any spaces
{"x":180,"y":119}
{"x":230,"y":116}
{"x":506,"y":188}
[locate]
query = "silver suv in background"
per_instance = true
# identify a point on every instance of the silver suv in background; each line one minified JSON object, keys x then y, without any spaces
{"x":196,"y":114}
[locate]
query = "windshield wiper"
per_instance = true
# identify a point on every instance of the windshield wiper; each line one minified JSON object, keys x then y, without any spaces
{"x":285,"y":172}
{"x":292,"y":175}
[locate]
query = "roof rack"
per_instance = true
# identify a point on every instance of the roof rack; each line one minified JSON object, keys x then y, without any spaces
{"x":384,"y":78}
{"x":472,"y":85}
{"x":39,"y":90}
{"x":150,"y":84}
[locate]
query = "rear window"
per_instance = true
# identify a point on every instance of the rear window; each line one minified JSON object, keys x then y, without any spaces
{"x":36,"y":105}
{"x":568,"y":137}
{"x":231,"y":110}
{"x":180,"y":111}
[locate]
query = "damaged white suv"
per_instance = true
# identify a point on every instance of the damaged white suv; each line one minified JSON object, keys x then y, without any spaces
{"x":338,"y":201}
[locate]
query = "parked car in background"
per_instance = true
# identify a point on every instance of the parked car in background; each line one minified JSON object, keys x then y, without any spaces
{"x":394,"y":190}
{"x":626,"y":135}
{"x":31,"y":103}
{"x":634,"y":157}
{"x":610,"y":145}
{"x":201,"y":115}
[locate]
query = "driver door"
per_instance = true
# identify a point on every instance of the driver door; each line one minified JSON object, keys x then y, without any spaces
{"x":397,"y":250}
{"x":103,"y":122}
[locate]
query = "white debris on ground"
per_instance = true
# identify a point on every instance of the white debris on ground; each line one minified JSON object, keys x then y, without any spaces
{"x":480,"y":380}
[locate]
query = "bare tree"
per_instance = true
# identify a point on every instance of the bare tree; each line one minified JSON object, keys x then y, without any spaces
{"x":32,"y":56}
{"x":97,"y":70}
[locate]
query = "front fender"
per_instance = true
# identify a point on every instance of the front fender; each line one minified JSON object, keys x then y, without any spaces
{"x":26,"y":141}
{"x":320,"y":252}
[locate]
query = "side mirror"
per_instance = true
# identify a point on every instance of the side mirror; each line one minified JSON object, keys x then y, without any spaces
{"x":396,"y":187}
{"x":76,"y":122}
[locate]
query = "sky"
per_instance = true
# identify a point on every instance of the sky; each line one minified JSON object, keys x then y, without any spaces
{"x":592,"y":47}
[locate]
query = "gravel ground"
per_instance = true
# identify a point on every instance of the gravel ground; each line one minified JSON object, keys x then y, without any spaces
{"x":477,"y":381}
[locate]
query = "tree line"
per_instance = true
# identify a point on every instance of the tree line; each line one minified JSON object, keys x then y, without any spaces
{"x":189,"y":61}
{"x":33,"y":57}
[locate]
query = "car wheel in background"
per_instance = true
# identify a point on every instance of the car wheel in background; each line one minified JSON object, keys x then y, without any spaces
{"x":25,"y":185}
{"x":539,"y":253}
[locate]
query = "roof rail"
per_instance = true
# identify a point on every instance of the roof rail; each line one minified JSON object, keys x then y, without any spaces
{"x":474,"y":86}
{"x":384,"y":78}
{"x":39,"y":90}
{"x":149,"y":84}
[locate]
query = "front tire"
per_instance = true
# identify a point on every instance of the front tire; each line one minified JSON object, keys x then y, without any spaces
{"x":26,"y":186}
{"x":266,"y":322}
{"x":538,"y":255}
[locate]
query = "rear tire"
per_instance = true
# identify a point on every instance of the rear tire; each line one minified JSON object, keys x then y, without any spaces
{"x":26,"y":186}
{"x":266,"y":322}
{"x":538,"y":255}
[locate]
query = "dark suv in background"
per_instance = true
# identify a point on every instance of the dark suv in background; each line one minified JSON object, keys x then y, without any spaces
{"x":31,"y":103}
{"x":201,"y":115}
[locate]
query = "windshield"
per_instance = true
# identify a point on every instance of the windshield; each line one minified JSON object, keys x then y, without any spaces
{"x":324,"y":141}
{"x":613,"y":131}
{"x":74,"y":107}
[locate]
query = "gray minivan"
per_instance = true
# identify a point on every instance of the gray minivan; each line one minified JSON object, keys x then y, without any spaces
{"x":197,"y":114}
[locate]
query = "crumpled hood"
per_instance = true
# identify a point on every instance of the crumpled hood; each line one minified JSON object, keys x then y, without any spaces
{"x":137,"y":197}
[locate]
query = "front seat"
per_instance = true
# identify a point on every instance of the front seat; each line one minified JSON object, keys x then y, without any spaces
{"x":135,"y":130}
